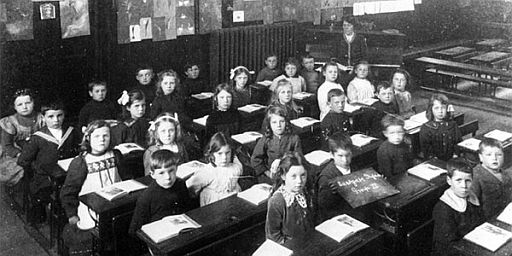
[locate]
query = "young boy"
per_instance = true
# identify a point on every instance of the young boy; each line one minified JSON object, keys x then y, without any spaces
{"x":166,"y":195}
{"x":394,"y":155}
{"x":309,"y":73}
{"x":99,"y":108}
{"x":271,"y":71}
{"x":335,"y":121}
{"x":144,"y":75}
{"x":458,"y":210}
{"x":385,"y":106}
{"x":330,"y":203}
{"x":52,"y":143}
{"x":192,"y":84}
{"x":491,"y":184}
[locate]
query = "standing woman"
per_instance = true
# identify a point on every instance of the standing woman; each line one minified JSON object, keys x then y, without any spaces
{"x":352,"y":48}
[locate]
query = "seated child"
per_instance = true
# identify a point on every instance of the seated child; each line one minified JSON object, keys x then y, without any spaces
{"x":96,"y":167}
{"x":133,"y":126}
{"x":166,"y":195}
{"x":241,"y":90}
{"x":270,"y":71}
{"x":311,"y":76}
{"x":224,"y":118}
{"x":277,"y":140}
{"x":440,"y":135}
{"x":99,"y":108}
{"x":458,"y":210}
{"x":400,"y":79}
{"x":282,"y":97}
{"x":491,"y":184}
{"x":330,"y":72}
{"x":193,"y":84}
{"x":360,"y":88}
{"x":385,"y":106}
{"x":394,"y":156}
{"x":219,"y":179}
{"x":335,"y":121}
{"x":290,"y":211}
{"x":291,"y":74}
{"x":144,"y":75}
{"x":165,"y":133}
{"x":53,"y":142}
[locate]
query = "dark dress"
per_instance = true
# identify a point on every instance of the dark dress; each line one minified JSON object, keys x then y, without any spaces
{"x":97,"y":110}
{"x":394,"y":159}
{"x":438,"y":139}
{"x":172,"y":103}
{"x":125,"y":132}
{"x":227,"y":122}
{"x":350,"y":53}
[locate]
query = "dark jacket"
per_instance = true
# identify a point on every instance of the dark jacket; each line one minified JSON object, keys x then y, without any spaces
{"x":494,"y":195}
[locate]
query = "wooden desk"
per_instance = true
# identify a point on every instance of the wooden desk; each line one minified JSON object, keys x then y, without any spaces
{"x":454,"y":51}
{"x":221,"y":220}
{"x":490,"y":43}
{"x":463,"y":66}
{"x":114,"y":218}
{"x":489,"y":57}
{"x":466,"y":248}
{"x":472,"y":155}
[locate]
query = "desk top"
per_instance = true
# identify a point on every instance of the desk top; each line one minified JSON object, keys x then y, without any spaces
{"x":491,"y":42}
{"x":465,"y":66}
{"x":490,"y":56}
{"x":455,"y":51}
{"x":217,"y":220}
{"x":465,"y":247}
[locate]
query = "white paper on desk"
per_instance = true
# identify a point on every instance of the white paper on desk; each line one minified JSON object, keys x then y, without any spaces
{"x":302,"y":95}
{"x":271,"y":248}
{"x":318,"y":157}
{"x":247,"y":137}
{"x":304,"y":121}
{"x":426,"y":171}
{"x":471,"y":144}
{"x":340,"y":227}
{"x":129,"y":185}
{"x":265,"y":83}
{"x":360,"y":140}
{"x":168,"y":227}
{"x":257,"y":194}
{"x":188,"y":169}
{"x":201,"y":120}
{"x":349,"y":108}
{"x":499,"y":135}
{"x":506,"y":215}
{"x":420,"y":117}
{"x":203,"y":95}
{"x":128,"y":147}
{"x":489,"y":236}
{"x":369,"y":101}
{"x":64,"y":163}
{"x":251,"y":108}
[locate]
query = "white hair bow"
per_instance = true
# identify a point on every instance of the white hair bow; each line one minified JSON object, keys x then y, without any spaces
{"x":152,"y":124}
{"x":232,"y":72}
{"x":123,"y":100}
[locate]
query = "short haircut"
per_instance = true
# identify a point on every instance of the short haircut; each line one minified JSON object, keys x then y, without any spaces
{"x":52,"y":105}
{"x":403,"y":72}
{"x":349,"y":19}
{"x":218,"y":141}
{"x":390,"y":120}
{"x":339,"y":140}
{"x":458,"y":164}
{"x":437,"y":97}
{"x":334,"y":93}
{"x":362,"y":62}
{"x":489,"y":142}
{"x":163,"y":158}
{"x":143,"y":66}
{"x":292,"y":61}
{"x":329,"y":63}
{"x":93,"y":83}
{"x":307,"y":56}
{"x":272,"y":54}
{"x":189,"y":65}
{"x":383,"y":85}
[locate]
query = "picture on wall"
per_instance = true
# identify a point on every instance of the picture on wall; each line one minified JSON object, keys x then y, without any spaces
{"x":47,"y":11}
{"x":164,"y":20}
{"x":185,"y":18}
{"x":74,"y":18}
{"x":16,"y":15}
{"x":210,"y":16}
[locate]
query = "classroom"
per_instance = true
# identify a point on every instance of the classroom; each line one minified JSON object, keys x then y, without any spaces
{"x":256,"y":127}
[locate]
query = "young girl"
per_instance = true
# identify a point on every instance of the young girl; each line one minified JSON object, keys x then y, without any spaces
{"x":96,"y":167}
{"x":277,"y":140}
{"x":241,"y":92}
{"x":133,"y":126}
{"x":330,"y":72}
{"x":360,"y":88}
{"x":16,"y":129}
{"x":282,"y":97}
{"x":220,"y":178}
{"x":291,"y":68}
{"x":169,"y":98}
{"x":224,"y":118}
{"x":289,"y":215}
{"x":400,"y":79}
{"x":440,"y":134}
{"x":165,"y":133}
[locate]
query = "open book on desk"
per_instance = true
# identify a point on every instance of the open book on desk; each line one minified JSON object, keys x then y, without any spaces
{"x":360,"y":140}
{"x":257,"y":194}
{"x":304,"y":121}
{"x":489,"y":236}
{"x":271,"y":248}
{"x":415,"y":122}
{"x":188,"y":169}
{"x":168,"y":227}
{"x":426,"y":171}
{"x":129,"y":147}
{"x":302,"y":95}
{"x":350,"y":108}
{"x":203,"y":95}
{"x":501,"y":136}
{"x":318,"y":157}
{"x":201,"y":121}
{"x":471,"y":144}
{"x":340,"y":227}
{"x":120,"y":189}
{"x":249,"y":108}
{"x":247,"y":137}
{"x":506,"y":215}
{"x":266,"y":83}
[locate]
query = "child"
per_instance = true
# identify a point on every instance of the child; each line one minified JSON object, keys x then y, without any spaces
{"x":330,"y":203}
{"x":277,"y":140}
{"x":53,"y":142}
{"x":133,"y":126}
{"x":491,"y":184}
{"x":290,"y":213}
{"x":224,"y":118}
{"x":241,"y":92}
{"x":96,"y":167}
{"x":458,"y":210}
{"x":385,"y":106}
{"x":165,"y":133}
{"x":400,"y":79}
{"x":335,"y":121}
{"x":166,"y":195}
{"x":311,"y":76}
{"x":99,"y":108}
{"x":291,"y":74}
{"x":394,"y":156}
{"x":360,"y":88}
{"x":15,"y":132}
{"x":440,"y":134}
{"x":220,"y":178}
{"x":144,"y":75}
{"x":330,"y":72}
{"x":192,"y":84}
{"x":169,"y":98}
{"x":271,"y":71}
{"x":283,"y":97}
